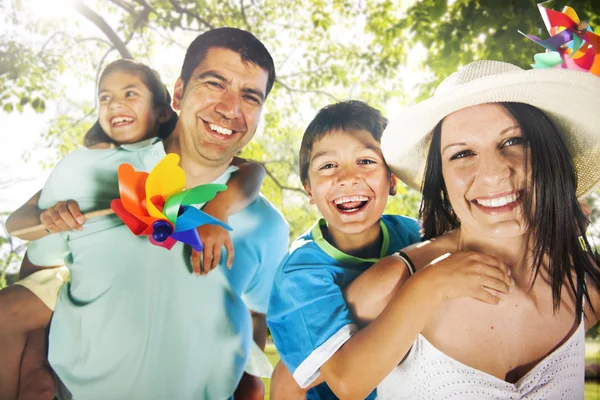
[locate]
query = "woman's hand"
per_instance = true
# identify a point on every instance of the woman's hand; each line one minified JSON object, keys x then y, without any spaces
{"x":468,"y":274}
{"x":63,"y":216}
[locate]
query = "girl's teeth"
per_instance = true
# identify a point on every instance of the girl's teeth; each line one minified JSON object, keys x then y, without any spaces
{"x":220,"y":129}
{"x":498,"y":202}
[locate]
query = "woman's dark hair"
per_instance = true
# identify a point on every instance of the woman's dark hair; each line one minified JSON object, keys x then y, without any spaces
{"x":551,"y":208}
{"x":160,"y":98}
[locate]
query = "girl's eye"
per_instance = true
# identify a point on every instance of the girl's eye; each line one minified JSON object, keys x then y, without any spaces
{"x":514,"y":141}
{"x":129,"y":93}
{"x":103,"y":98}
{"x":366,"y":162}
{"x":461,"y":154}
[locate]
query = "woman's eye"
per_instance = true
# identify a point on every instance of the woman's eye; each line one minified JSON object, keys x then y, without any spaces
{"x":514,"y":141}
{"x":461,"y":154}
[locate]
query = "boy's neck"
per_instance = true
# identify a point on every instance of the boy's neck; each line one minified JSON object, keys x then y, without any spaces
{"x":365,"y":244}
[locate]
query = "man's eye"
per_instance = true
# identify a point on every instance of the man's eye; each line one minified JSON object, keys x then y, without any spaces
{"x":252,"y":99}
{"x":214,"y":84}
{"x":461,"y":154}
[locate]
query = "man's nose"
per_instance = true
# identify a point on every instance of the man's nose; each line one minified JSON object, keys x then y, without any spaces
{"x":229,"y":105}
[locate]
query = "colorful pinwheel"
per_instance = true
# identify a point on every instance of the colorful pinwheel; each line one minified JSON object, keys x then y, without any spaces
{"x":156,"y":205}
{"x":572,"y":43}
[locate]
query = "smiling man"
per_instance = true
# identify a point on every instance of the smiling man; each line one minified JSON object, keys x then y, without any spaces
{"x":133,"y":323}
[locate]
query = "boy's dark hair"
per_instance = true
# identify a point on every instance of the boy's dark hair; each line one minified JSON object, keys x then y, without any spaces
{"x":242,"y":42}
{"x":554,"y":217}
{"x":344,"y":116}
{"x":160,"y":98}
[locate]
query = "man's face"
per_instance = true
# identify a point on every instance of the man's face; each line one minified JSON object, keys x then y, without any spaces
{"x":220,"y":106}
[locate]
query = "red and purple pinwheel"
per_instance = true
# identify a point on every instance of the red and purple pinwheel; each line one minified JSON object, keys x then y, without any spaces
{"x":155,"y":204}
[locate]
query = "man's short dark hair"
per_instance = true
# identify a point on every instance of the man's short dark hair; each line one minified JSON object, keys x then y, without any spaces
{"x":347,"y":116}
{"x":242,"y":42}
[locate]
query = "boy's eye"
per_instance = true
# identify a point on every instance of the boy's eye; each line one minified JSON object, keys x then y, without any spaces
{"x":327,"y":166}
{"x":461,"y":154}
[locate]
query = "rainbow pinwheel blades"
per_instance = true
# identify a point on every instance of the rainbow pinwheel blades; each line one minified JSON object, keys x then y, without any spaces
{"x":572,"y":43}
{"x":155,"y":204}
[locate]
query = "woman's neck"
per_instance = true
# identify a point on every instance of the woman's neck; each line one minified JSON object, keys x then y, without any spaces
{"x":515,"y":252}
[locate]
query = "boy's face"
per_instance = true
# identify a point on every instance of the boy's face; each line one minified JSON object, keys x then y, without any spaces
{"x":348,"y":180}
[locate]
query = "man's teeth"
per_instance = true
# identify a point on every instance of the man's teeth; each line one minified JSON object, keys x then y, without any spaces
{"x":350,"y":199}
{"x":220,"y":129}
{"x":498,"y":202}
{"x":120,"y":120}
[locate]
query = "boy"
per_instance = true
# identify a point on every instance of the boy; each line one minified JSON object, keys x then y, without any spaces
{"x":345,"y":176}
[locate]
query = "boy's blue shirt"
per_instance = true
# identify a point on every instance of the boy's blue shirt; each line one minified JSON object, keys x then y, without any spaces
{"x":308,"y":316}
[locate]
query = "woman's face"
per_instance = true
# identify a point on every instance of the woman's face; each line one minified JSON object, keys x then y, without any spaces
{"x":483,"y":164}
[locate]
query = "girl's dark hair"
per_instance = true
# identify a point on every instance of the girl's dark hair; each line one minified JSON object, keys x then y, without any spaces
{"x":551,"y":209}
{"x":160,"y":98}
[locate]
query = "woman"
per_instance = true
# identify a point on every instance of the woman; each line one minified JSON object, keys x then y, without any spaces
{"x":504,"y":154}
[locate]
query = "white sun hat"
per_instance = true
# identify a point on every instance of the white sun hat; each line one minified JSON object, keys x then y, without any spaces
{"x":571,"y":99}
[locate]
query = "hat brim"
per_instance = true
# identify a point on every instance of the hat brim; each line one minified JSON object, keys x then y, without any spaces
{"x":571,"y":99}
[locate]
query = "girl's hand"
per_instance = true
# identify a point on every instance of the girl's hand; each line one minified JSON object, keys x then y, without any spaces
{"x":214,"y":238}
{"x":468,"y":274}
{"x":63,"y":216}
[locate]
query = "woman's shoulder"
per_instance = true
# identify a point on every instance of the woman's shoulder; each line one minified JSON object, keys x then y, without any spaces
{"x":423,"y":253}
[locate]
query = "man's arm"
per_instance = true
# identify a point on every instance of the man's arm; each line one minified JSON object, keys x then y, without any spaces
{"x":259,"y":327}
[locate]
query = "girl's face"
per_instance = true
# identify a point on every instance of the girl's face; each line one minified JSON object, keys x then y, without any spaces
{"x":484,"y":167}
{"x":127,"y":113}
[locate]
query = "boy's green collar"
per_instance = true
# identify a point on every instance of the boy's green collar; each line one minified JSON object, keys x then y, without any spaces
{"x":328,"y":248}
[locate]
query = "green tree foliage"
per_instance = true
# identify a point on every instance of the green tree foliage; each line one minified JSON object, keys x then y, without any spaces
{"x":324,"y":50}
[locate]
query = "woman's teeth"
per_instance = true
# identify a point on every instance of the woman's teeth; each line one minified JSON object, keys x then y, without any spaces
{"x":498,"y":202}
{"x":220,"y":129}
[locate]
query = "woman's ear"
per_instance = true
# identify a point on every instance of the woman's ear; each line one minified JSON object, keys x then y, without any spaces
{"x":393,"y":183}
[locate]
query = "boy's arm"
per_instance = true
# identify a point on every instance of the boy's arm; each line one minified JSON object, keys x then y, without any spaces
{"x":368,"y":356}
{"x":242,"y":189}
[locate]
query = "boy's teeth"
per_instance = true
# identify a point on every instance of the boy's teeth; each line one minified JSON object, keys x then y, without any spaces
{"x":350,"y":199}
{"x":498,"y":202}
{"x":220,"y":129}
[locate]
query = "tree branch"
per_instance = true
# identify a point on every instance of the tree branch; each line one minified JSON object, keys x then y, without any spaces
{"x":243,"y":8}
{"x":97,"y":20}
{"x":279,"y":184}
{"x":291,"y":89}
{"x":123,"y":5}
{"x":182,"y":10}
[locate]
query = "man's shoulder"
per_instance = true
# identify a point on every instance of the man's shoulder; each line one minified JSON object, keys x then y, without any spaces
{"x":264,"y":211}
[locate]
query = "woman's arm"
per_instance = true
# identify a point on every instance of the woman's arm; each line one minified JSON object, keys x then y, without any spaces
{"x":242,"y":189}
{"x":372,"y":353}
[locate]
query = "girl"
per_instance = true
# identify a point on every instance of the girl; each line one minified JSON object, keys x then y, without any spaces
{"x":134,"y":106}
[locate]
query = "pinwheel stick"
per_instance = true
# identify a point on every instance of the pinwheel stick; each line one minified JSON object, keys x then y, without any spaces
{"x":40,"y":229}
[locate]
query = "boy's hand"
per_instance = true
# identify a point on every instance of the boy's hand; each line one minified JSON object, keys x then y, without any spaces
{"x":469,"y":274}
{"x":63,"y":216}
{"x":214,"y":238}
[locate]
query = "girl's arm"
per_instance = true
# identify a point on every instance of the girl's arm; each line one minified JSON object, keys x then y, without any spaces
{"x":242,"y":189}
{"x":370,"y":354}
{"x":63,"y":216}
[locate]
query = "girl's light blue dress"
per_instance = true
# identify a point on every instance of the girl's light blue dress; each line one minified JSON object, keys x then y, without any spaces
{"x":133,"y":322}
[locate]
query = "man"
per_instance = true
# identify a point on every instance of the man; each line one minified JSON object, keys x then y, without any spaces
{"x":137,"y":325}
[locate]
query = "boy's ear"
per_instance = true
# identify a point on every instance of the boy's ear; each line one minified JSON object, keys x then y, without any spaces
{"x":393,"y":183}
{"x":178,"y":94}
{"x":311,"y":199}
